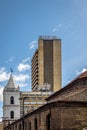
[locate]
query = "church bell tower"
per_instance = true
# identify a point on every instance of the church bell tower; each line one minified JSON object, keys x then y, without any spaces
{"x":11,"y":103}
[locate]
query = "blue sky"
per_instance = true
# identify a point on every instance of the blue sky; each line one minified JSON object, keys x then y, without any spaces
{"x":21,"y":24}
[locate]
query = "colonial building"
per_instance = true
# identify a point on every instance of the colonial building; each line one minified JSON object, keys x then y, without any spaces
{"x":16,"y":103}
{"x":32,"y":101}
{"x":66,"y":109}
{"x":46,"y":64}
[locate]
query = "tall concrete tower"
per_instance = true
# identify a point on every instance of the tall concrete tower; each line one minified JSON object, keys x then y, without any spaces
{"x":11,"y":103}
{"x":46,"y":64}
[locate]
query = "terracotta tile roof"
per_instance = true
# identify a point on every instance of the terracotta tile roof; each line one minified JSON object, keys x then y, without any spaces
{"x":81,"y":76}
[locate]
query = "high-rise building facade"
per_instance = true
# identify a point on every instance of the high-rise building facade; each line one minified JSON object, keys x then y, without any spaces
{"x":46,"y":64}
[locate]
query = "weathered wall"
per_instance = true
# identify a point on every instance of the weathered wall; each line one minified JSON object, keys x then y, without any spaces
{"x":73,"y":118}
{"x":76,"y":91}
{"x":62,"y":116}
{"x":1,"y":126}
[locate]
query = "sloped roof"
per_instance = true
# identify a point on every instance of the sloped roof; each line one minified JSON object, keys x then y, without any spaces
{"x":80,"y":77}
{"x":11,"y":83}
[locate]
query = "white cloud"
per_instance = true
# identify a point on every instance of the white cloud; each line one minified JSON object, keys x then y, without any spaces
{"x":26,"y":60}
{"x":3,"y":75}
{"x":55,"y":29}
{"x":21,"y":77}
{"x":1,"y":93}
{"x":60,"y":27}
{"x":23,"y":67}
{"x":11,"y":59}
{"x":22,"y":84}
{"x":2,"y":69}
{"x":32,"y":44}
{"x":82,"y":71}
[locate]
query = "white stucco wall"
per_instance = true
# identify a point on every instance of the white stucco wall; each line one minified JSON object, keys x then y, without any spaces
{"x":7,"y":107}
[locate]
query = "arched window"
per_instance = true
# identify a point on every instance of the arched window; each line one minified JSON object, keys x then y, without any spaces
{"x":12,"y":114}
{"x":11,"y":100}
{"x":20,"y":127}
{"x":29,"y":126}
{"x":26,"y":125}
{"x":48,"y":122}
{"x":35,"y":124}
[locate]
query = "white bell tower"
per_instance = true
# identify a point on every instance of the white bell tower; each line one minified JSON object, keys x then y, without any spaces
{"x":11,"y":103}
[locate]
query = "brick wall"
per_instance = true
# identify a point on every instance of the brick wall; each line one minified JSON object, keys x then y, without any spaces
{"x":63,"y":116}
{"x":76,"y":91}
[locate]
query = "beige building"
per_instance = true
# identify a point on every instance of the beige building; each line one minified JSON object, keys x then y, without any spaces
{"x":32,"y":101}
{"x":1,"y":126}
{"x":46,"y":64}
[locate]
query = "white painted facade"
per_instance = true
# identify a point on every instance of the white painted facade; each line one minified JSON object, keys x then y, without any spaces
{"x":11,"y":102}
